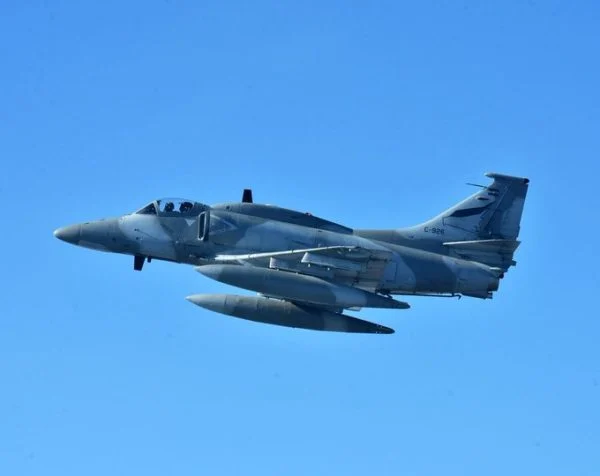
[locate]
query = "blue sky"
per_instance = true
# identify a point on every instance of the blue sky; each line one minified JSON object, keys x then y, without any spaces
{"x":372,"y":115}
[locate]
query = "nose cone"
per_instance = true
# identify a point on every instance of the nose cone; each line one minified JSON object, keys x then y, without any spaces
{"x":212,"y":302}
{"x":70,"y":234}
{"x":212,"y":271}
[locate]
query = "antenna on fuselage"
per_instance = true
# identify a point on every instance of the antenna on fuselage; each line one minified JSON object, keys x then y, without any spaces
{"x":247,"y":196}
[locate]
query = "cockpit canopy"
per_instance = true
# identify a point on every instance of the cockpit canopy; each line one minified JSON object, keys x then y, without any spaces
{"x":172,"y":207}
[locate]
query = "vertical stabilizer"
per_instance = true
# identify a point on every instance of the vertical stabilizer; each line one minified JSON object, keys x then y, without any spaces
{"x":483,"y":227}
{"x":492,"y":213}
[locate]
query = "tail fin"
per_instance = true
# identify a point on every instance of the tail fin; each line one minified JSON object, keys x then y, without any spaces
{"x":484,"y":227}
{"x":492,"y":213}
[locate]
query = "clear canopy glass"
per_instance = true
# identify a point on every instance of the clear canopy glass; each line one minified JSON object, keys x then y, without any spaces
{"x":172,"y":207}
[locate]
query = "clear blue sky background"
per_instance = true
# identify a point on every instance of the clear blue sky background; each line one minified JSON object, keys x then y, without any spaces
{"x":373,"y":115}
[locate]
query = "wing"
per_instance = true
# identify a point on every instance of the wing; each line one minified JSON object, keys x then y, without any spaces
{"x":349,"y":265}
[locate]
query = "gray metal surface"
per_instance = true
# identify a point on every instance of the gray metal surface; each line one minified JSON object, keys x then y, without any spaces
{"x":282,"y":313}
{"x":306,"y":260}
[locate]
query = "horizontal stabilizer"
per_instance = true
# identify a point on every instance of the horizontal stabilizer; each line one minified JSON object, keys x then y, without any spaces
{"x":494,"y":253}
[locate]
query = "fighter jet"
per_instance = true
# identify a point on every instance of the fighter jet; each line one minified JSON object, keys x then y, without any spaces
{"x":306,"y":270}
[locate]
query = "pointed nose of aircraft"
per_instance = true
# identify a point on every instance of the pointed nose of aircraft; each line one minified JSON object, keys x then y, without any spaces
{"x":70,"y":234}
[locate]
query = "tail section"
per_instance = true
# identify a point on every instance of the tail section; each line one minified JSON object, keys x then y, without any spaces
{"x":492,"y":213}
{"x":484,"y":227}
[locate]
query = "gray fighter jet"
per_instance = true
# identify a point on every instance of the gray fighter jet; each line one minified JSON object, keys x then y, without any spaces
{"x":307,"y":270}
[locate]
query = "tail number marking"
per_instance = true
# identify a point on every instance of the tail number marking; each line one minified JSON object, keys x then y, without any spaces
{"x":434,"y":230}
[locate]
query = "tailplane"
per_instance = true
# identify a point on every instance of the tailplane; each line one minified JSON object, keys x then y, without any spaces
{"x":484,"y":227}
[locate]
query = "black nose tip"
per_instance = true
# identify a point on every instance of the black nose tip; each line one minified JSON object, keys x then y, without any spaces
{"x":70,"y":234}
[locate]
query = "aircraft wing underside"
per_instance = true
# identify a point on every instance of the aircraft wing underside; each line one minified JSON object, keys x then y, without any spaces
{"x":348,"y":265}
{"x":306,"y":288}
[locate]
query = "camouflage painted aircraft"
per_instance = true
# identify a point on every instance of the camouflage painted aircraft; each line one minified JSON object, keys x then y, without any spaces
{"x":307,"y":270}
